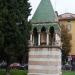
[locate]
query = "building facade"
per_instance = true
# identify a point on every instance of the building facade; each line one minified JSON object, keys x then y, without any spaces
{"x":68,"y":20}
{"x":45,"y":42}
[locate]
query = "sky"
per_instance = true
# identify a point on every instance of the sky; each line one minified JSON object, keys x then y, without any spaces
{"x":62,"y":6}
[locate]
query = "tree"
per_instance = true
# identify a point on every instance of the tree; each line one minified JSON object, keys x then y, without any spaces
{"x":14,"y":30}
{"x":66,"y":45}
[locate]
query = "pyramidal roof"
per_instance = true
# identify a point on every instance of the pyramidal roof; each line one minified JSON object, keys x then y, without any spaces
{"x":44,"y":13}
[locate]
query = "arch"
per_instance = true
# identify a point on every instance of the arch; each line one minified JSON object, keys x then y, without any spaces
{"x":43,"y":29}
{"x":43,"y":36}
{"x":35,"y":30}
{"x":51,"y":30}
{"x":35,"y":36}
{"x":52,"y":35}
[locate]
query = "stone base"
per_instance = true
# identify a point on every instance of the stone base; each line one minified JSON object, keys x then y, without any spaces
{"x":44,"y":61}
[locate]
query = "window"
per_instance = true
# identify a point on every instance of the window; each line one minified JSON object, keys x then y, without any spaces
{"x":52,"y":35}
{"x":35,"y":36}
{"x":43,"y":36}
{"x":68,"y":20}
{"x":69,"y":27}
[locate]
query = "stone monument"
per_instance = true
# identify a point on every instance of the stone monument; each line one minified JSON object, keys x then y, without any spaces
{"x":45,"y":42}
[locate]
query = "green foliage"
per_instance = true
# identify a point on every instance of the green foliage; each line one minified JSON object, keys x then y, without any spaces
{"x":18,"y":72}
{"x":68,"y":73}
{"x":2,"y":72}
{"x":66,"y":45}
{"x":14,"y":29}
{"x":13,"y":72}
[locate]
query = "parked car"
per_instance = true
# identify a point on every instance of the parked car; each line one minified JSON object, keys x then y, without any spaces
{"x":68,"y":66}
{"x":15,"y":65}
{"x":3,"y":64}
{"x":73,"y":66}
{"x":24,"y":66}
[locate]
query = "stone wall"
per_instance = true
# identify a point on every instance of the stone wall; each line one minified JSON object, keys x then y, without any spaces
{"x":44,"y":61}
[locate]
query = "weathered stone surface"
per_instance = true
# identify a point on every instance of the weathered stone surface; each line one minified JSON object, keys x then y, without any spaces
{"x":44,"y":61}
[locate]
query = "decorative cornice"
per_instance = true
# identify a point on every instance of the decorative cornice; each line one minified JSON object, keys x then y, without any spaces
{"x":45,"y":47}
{"x":43,"y":22}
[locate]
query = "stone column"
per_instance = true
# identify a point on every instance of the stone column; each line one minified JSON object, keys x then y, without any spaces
{"x":47,"y":38}
{"x":31,"y":37}
{"x":33,"y":40}
{"x":57,"y":40}
{"x":39,"y":39}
